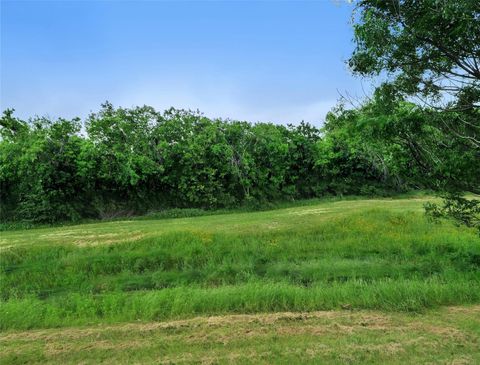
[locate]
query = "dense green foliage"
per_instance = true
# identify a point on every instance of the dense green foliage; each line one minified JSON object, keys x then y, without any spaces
{"x":406,"y":141}
{"x":381,"y":254}
{"x":429,"y":50}
{"x":132,"y":160}
{"x":427,"y":47}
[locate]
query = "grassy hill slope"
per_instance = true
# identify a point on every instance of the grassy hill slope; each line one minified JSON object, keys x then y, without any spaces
{"x":350,"y":255}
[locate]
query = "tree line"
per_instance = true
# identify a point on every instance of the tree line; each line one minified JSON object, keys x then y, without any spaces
{"x":122,"y":161}
{"x":129,"y":161}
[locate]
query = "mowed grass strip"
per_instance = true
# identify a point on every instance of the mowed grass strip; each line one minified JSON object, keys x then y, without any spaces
{"x":376,"y":254}
{"x":450,"y":335}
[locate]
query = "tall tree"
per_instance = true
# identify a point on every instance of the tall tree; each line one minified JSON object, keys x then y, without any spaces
{"x":429,"y":49}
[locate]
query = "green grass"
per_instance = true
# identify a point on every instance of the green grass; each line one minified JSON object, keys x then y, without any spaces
{"x":82,"y":285}
{"x":376,"y":254}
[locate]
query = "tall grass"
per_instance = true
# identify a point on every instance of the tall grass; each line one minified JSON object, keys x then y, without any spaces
{"x":385,"y":294}
{"x":368,"y":259}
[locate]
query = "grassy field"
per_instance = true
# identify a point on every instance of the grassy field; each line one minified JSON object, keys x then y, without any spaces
{"x":368,"y":280}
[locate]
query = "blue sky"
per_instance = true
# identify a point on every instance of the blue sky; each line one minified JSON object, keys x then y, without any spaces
{"x":273,"y":61}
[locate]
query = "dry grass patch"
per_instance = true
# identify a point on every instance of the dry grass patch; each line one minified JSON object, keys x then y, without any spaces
{"x":323,"y":336}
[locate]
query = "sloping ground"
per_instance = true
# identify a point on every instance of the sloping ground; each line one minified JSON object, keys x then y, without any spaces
{"x":307,"y":216}
{"x":126,"y":291}
{"x":450,"y":335}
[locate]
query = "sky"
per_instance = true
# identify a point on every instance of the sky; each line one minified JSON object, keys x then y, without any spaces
{"x":269,"y":61}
